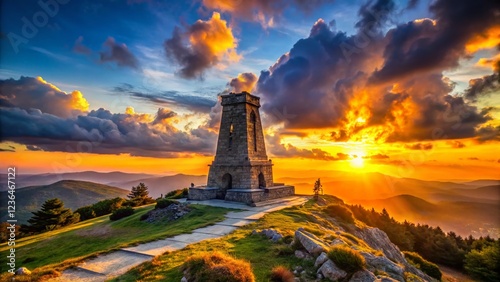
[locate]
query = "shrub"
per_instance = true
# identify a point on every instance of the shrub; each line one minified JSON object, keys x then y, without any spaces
{"x":281,"y":274}
{"x":107,"y":206}
{"x":339,"y":211}
{"x":164,"y":203}
{"x":86,"y":212}
{"x":215,"y":267}
{"x":144,"y":216}
{"x":347,"y":259}
{"x":427,"y":267}
{"x":121,"y":213}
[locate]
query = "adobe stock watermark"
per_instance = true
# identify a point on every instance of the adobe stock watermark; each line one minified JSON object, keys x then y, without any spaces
{"x":31,"y":26}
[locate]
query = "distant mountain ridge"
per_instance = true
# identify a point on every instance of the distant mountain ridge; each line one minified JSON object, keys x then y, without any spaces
{"x":74,"y":194}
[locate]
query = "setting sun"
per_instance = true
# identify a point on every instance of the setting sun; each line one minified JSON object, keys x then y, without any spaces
{"x":357,"y":160}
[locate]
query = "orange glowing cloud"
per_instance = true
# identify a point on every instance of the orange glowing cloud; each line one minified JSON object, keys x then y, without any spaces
{"x":486,"y":40}
{"x":243,"y":82}
{"x":36,"y":93}
{"x":202,"y":45}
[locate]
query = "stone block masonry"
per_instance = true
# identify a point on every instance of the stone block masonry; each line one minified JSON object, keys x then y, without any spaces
{"x":241,"y":170}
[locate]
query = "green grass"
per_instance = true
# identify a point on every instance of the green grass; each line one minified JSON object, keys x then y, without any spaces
{"x":99,"y":235}
{"x":262,"y":254}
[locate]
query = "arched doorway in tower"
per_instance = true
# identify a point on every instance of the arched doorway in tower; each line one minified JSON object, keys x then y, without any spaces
{"x":262,"y":180}
{"x":226,"y":183}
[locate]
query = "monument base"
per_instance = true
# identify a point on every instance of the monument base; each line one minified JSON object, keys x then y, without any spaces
{"x":247,"y":196}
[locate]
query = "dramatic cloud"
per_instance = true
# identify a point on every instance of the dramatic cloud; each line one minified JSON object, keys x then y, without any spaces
{"x":419,"y":146}
{"x":169,"y":98}
{"x":37,"y":114}
{"x":35,"y":93}
{"x":243,"y":82}
{"x":118,"y":53}
{"x":265,"y":12}
{"x":482,"y":86}
{"x":326,"y":79}
{"x":201,"y":46}
{"x":104,"y":132}
{"x":426,"y":45}
{"x":80,"y":48}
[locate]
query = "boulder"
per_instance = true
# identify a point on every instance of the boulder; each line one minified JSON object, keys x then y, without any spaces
{"x":384,"y":264}
{"x":310,"y":242}
{"x":378,"y":240}
{"x":184,"y":279}
{"x":321,"y":259}
{"x":363,"y":276}
{"x":23,"y":271}
{"x":330,"y":271}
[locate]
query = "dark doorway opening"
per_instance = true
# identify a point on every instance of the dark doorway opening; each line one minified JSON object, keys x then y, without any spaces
{"x":227,"y":183}
{"x":262,"y":180}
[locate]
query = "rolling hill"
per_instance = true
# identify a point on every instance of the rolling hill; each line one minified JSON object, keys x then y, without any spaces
{"x":25,"y":180}
{"x":163,"y":184}
{"x":73,"y":193}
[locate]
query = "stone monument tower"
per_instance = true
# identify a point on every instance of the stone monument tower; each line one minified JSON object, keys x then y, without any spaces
{"x":241,"y":170}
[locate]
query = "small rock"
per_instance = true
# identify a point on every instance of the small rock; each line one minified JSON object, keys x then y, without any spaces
{"x":184,"y":279}
{"x":296,"y":279}
{"x":300,"y":254}
{"x":319,"y":276}
{"x":331,"y":271}
{"x":363,"y":276}
{"x":276,"y":237}
{"x":23,"y":271}
{"x":299,"y":268}
{"x":321,"y":259}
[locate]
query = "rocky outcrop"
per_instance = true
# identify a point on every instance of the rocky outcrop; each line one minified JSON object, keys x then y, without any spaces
{"x":310,"y":242}
{"x":378,"y":240}
{"x":391,"y":263}
{"x":384,"y":264}
{"x":331,"y":271}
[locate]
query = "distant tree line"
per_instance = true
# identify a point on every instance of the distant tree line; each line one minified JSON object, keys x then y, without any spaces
{"x":480,"y":257}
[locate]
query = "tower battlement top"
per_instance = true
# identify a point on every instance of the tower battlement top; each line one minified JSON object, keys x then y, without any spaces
{"x":239,"y":98}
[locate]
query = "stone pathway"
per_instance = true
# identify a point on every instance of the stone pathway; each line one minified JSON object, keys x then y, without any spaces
{"x":116,"y":263}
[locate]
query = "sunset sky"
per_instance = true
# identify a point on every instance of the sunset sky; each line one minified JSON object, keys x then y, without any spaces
{"x":406,"y":88}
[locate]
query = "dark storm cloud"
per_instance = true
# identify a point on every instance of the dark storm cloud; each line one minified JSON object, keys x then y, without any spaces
{"x":326,"y":80}
{"x":170,"y":98}
{"x":119,"y":54}
{"x":374,"y":14}
{"x":482,"y":86}
{"x":426,"y":45}
{"x":419,"y":146}
{"x":101,"y":131}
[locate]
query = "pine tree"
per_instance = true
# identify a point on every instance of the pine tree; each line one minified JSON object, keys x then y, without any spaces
{"x":139,"y":195}
{"x":51,"y":216}
{"x":318,"y":188}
